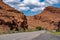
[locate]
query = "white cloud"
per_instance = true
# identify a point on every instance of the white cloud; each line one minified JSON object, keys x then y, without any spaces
{"x":11,"y":0}
{"x":26,"y":1}
{"x":44,"y":4}
{"x":40,"y":5}
{"x":7,"y":0}
{"x":34,"y":2}
{"x":52,"y":1}
{"x":37,"y":9}
{"x":31,"y":2}
{"x":21,"y":5}
{"x":23,"y":8}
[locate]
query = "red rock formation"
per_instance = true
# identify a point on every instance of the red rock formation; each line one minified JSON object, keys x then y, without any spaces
{"x":47,"y":19}
{"x":10,"y":18}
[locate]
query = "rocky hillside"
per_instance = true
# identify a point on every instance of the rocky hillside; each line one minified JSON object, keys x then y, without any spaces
{"x":49,"y":19}
{"x":11,"y":19}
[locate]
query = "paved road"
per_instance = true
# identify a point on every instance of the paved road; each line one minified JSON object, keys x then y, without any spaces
{"x":21,"y":36}
{"x":47,"y":36}
{"x":38,"y":35}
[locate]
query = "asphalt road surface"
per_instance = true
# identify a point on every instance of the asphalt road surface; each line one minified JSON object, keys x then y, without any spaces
{"x":38,"y":35}
{"x":47,"y":36}
{"x":21,"y":36}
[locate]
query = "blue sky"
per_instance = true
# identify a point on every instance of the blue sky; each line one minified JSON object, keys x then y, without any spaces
{"x":32,"y":7}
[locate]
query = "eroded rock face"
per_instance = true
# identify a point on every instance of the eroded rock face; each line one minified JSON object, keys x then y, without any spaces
{"x":11,"y":19}
{"x":48,"y":19}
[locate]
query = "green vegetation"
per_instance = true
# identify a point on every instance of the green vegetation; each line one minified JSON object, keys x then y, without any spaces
{"x":38,"y":28}
{"x":31,"y":30}
{"x":12,"y":31}
{"x":21,"y":30}
{"x":9,"y":32}
{"x":58,"y":30}
{"x":56,"y":33}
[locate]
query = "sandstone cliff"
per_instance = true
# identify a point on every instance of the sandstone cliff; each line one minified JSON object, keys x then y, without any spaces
{"x":49,"y":18}
{"x":10,"y":18}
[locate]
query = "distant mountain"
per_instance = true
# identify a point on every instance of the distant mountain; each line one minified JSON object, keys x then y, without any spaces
{"x":10,"y":18}
{"x":49,"y":18}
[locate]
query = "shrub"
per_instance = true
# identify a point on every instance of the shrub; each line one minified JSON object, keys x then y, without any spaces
{"x":58,"y":30}
{"x":31,"y":29}
{"x":58,"y":27}
{"x":21,"y":30}
{"x":12,"y":31}
{"x":39,"y":28}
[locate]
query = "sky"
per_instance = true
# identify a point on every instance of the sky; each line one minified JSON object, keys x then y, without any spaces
{"x":32,"y":7}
